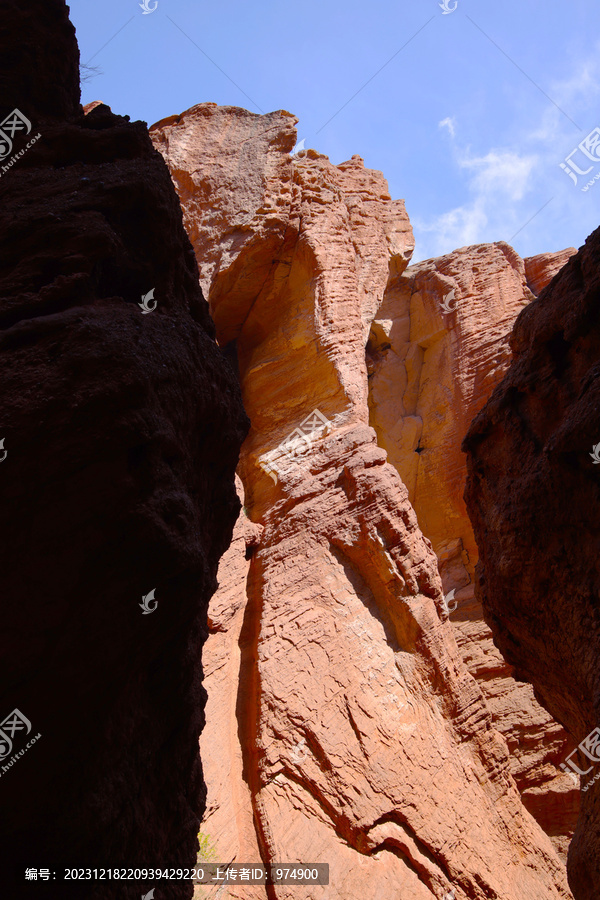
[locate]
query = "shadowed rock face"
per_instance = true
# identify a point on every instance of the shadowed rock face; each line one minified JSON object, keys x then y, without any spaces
{"x":533,"y":498}
{"x":122,"y":431}
{"x":352,"y":731}
{"x":437,"y":348}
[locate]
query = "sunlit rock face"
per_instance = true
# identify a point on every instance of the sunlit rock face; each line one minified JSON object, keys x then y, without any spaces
{"x":343,"y":724}
{"x":438,"y":347}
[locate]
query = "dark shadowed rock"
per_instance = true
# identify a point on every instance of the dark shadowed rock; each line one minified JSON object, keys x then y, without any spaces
{"x":40,"y":60}
{"x":121,"y":431}
{"x":533,"y":494}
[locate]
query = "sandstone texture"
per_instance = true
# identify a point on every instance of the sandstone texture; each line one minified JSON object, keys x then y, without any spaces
{"x":341,"y":714}
{"x":541,"y":269}
{"x":437,"y":349}
{"x":533,"y":498}
{"x":120,"y":434}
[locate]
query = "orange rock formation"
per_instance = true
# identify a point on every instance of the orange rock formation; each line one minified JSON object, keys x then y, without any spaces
{"x":437,"y":349}
{"x":342,"y":724}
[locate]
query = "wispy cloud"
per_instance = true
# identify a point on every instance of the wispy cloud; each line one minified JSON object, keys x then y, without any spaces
{"x":496,"y":182}
{"x":448,"y":123}
{"x":504,"y":172}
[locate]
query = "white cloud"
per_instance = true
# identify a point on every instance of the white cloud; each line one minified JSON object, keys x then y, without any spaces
{"x":500,"y":171}
{"x":457,"y":228}
{"x":448,"y":123}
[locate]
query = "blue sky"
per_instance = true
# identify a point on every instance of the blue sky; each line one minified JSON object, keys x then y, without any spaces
{"x":468,"y":114}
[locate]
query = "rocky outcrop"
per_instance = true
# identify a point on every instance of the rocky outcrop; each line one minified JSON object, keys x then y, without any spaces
{"x":541,"y":269}
{"x":120,"y":436}
{"x":437,"y":348}
{"x":350,"y":728}
{"x":532,"y":495}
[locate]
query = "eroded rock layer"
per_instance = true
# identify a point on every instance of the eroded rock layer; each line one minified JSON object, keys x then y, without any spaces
{"x":541,"y":269}
{"x":121,"y":431}
{"x":533,"y":498}
{"x":352,"y":730}
{"x":437,"y":349}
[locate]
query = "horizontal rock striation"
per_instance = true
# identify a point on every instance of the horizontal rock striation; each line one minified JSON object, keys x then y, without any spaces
{"x":541,"y":269}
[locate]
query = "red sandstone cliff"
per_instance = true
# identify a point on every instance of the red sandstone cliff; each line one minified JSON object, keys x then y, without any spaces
{"x":437,"y":348}
{"x":350,"y":730}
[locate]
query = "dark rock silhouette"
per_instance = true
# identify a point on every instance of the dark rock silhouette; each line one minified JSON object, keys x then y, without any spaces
{"x":533,"y":495}
{"x":121,"y":431}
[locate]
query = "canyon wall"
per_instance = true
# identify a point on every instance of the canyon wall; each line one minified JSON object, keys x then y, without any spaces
{"x":343,"y":725}
{"x":533,"y":497}
{"x":437,"y":348}
{"x":120,"y":436}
